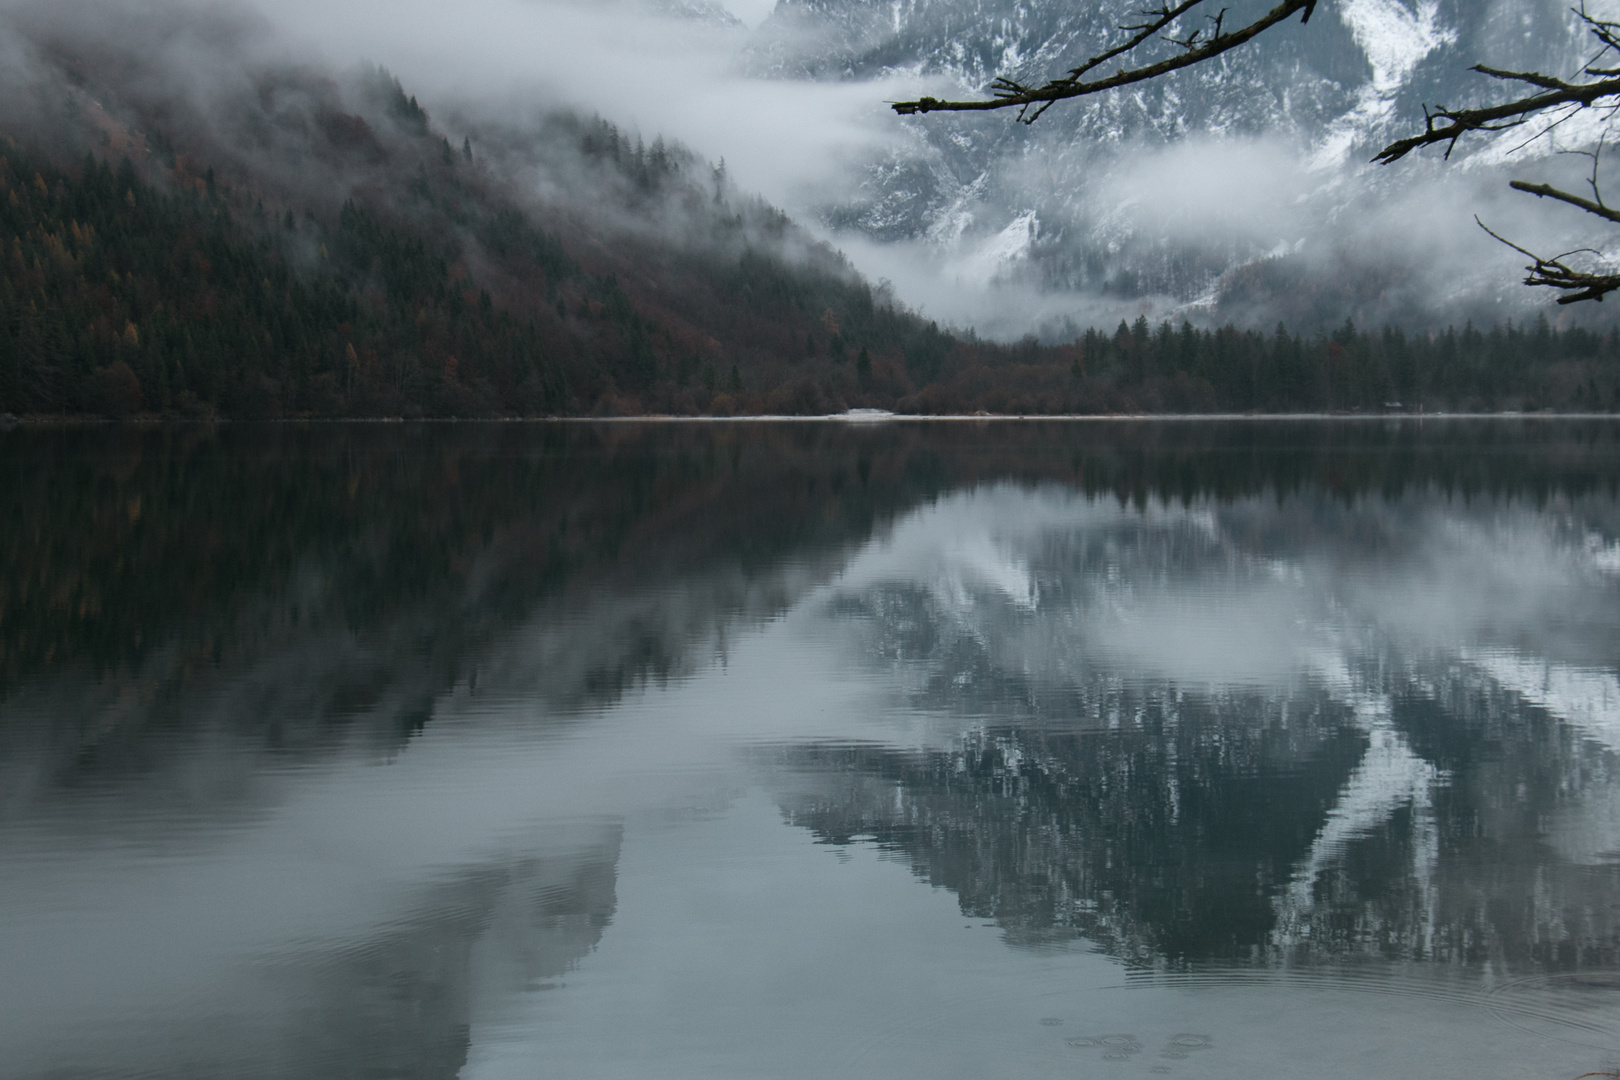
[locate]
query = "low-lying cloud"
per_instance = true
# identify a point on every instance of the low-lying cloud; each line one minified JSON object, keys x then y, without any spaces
{"x":647,"y":69}
{"x":1052,"y":237}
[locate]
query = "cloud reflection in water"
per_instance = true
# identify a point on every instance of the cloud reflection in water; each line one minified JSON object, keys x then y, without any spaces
{"x":493,"y":742}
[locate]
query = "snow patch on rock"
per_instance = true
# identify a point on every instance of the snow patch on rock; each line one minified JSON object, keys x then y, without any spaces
{"x":1009,"y":246}
{"x":1395,"y":38}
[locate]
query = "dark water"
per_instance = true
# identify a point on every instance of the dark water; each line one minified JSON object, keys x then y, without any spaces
{"x":893,"y":750}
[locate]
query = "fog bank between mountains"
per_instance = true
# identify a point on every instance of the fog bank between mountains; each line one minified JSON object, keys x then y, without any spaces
{"x":667,"y":72}
{"x":1233,"y":191}
{"x":1160,"y":204}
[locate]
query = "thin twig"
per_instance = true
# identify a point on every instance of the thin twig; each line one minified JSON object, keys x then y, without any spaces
{"x":1443,"y":125}
{"x":1554,"y":273}
{"x":1010,"y":94}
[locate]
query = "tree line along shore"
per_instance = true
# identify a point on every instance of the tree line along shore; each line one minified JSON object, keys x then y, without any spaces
{"x":124,"y":295}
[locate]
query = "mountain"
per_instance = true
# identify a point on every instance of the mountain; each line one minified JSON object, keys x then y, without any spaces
{"x":200,"y":221}
{"x":200,"y":224}
{"x":1184,"y":191}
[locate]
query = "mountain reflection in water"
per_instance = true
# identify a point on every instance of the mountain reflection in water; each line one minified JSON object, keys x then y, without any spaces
{"x":380,"y":750}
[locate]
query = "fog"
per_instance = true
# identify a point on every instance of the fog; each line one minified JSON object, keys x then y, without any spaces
{"x":1055,"y":588}
{"x":1057,"y":235}
{"x":1398,"y":248}
{"x":653,"y":72}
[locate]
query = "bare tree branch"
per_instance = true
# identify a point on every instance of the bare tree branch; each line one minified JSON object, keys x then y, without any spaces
{"x":1554,"y":273}
{"x":1602,"y":86}
{"x":1564,"y":98}
{"x":1159,"y":20}
{"x":1454,"y":124}
{"x":1033,"y":101}
{"x":1547,"y":191}
{"x":1544,"y":96}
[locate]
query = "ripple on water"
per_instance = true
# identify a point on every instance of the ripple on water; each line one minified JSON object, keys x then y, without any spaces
{"x":1120,"y":1046}
{"x":1577,"y":1007}
{"x":1580,"y":1008}
{"x":1115,"y":1047}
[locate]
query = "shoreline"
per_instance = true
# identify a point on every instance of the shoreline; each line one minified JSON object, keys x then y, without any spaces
{"x":856,"y":418}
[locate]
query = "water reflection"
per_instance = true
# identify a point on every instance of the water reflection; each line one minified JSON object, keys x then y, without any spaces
{"x":1250,"y":731}
{"x":321,"y":749}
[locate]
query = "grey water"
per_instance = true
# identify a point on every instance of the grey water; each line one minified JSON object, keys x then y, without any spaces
{"x":946,"y":750}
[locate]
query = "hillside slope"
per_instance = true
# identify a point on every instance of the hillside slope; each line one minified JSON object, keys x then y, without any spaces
{"x":1180,"y":193}
{"x":280,"y":240}
{"x":203,"y":228}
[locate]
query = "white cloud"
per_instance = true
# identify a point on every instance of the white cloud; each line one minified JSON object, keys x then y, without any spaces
{"x":649,"y":72}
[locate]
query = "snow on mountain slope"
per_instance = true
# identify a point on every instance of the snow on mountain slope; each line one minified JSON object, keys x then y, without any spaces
{"x":1395,"y":39}
{"x":1310,"y":104}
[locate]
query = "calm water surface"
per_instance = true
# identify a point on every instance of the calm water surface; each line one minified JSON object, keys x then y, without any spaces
{"x":908,"y":750}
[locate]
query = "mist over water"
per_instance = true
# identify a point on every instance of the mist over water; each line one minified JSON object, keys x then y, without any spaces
{"x":740,"y":750}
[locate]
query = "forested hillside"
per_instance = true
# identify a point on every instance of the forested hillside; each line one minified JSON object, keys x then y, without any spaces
{"x":345,"y":255}
{"x":430,"y":293}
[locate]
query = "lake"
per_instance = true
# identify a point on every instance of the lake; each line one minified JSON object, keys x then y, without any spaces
{"x":1239,"y":749}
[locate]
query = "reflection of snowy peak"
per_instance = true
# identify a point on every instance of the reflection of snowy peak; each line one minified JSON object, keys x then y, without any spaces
{"x":1114,"y":669}
{"x":1327,"y":95}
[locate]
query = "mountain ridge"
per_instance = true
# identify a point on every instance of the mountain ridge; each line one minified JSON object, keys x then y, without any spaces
{"x":1318,"y":100}
{"x":260,"y":237}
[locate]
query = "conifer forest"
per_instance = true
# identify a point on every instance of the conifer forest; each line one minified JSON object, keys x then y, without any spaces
{"x":170,"y":291}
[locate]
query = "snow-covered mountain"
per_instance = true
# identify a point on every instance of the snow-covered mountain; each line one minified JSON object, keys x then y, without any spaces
{"x":1238,"y":189}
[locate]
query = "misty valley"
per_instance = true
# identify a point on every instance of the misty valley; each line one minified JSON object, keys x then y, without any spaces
{"x":707,"y":539}
{"x":951,"y":749}
{"x":203,"y":219}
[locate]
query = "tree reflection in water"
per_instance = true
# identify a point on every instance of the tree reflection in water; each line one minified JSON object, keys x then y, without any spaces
{"x":1264,"y":731}
{"x":1207,"y":695}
